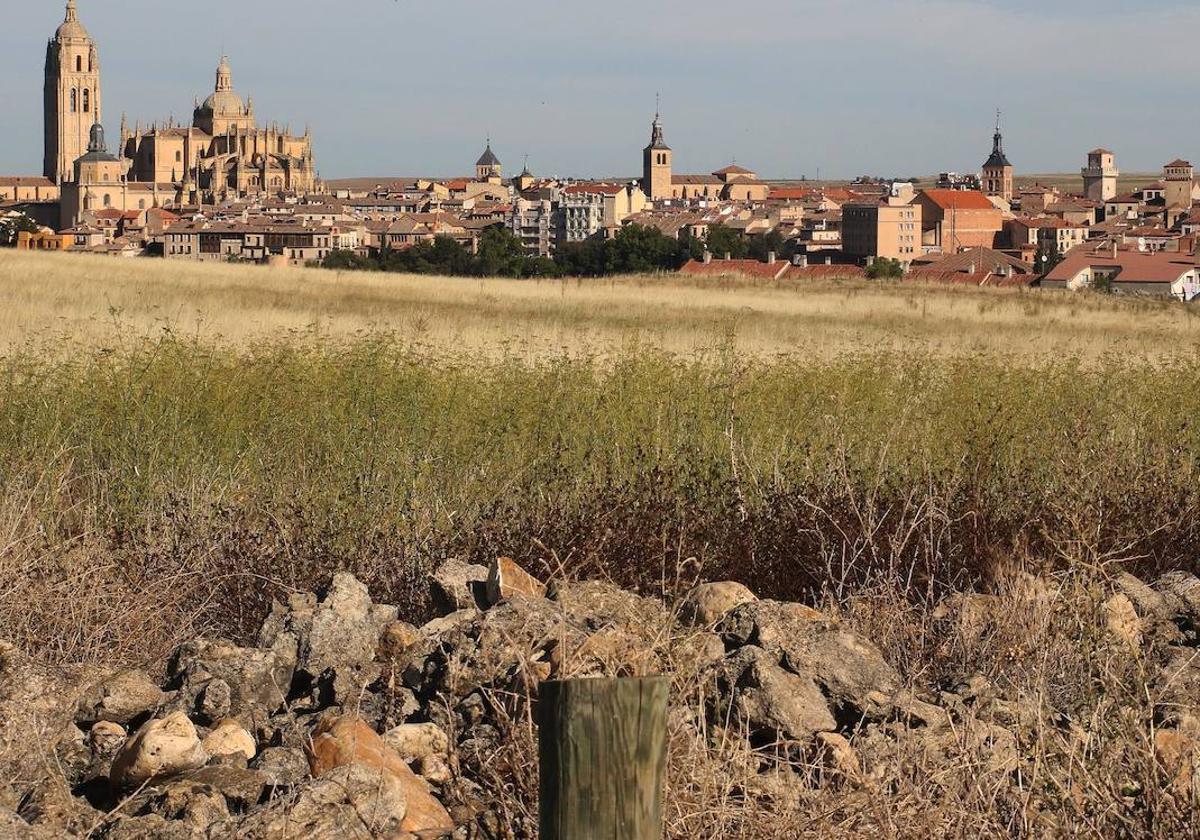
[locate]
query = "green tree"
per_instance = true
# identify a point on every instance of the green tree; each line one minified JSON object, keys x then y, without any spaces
{"x":885,"y":268}
{"x":10,"y":226}
{"x":761,"y":247}
{"x":344,"y":260}
{"x":724,"y":240}
{"x":501,"y":254}
{"x":1046,"y":259}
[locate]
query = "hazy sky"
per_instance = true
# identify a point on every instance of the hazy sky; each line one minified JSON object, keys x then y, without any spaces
{"x":788,"y":87}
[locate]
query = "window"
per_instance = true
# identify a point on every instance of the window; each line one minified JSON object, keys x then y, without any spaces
{"x":86,"y":100}
{"x":178,"y":156}
{"x":107,"y":200}
{"x":74,"y":100}
{"x":141,"y":204}
{"x":78,"y":64}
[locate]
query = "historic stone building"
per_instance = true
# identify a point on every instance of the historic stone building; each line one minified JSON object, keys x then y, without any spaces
{"x":224,"y":153}
{"x":656,"y":165}
{"x":488,"y":168}
{"x":98,"y":181}
{"x":1100,"y":175}
{"x":72,"y":96}
{"x":997,"y":177}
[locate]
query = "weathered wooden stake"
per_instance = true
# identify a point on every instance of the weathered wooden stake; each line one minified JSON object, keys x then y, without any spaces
{"x":602,"y":744}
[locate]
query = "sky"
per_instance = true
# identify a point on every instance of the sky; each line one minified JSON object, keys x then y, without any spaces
{"x":789,"y":88}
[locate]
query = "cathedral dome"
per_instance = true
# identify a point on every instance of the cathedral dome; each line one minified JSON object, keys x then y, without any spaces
{"x":71,"y":28}
{"x":223,"y":101}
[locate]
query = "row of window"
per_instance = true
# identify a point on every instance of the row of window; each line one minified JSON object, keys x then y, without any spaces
{"x":76,"y":99}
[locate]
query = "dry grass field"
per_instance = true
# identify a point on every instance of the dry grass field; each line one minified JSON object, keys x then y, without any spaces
{"x":72,"y":300}
{"x":180,"y":444}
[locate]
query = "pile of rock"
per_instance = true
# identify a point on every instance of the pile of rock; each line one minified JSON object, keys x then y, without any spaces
{"x":343,"y":721}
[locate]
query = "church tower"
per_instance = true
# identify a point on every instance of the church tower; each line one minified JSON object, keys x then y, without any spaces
{"x":72,"y":96}
{"x":488,"y":167}
{"x":997,"y":171}
{"x":656,"y":165}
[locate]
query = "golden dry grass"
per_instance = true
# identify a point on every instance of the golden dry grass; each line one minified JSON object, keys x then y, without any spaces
{"x":76,"y":299}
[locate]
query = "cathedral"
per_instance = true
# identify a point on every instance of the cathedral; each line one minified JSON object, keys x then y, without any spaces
{"x":224,"y":153}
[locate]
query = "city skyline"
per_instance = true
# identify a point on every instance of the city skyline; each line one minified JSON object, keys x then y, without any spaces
{"x":575,"y":93}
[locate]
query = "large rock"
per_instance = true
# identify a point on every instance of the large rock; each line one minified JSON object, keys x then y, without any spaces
{"x":338,"y":632}
{"x":849,"y":670}
{"x":350,"y":802}
{"x":1183,"y":593}
{"x":708,"y":603}
{"x":1158,"y":609}
{"x":105,"y":738}
{"x":161,"y":748}
{"x":339,"y":742}
{"x":229,"y":738}
{"x":507,"y":580}
{"x":456,"y":586}
{"x":148,"y":826}
{"x":216,"y":678}
{"x":414,"y":741}
{"x":283,"y":767}
{"x":773,"y":704}
{"x":193,"y":804}
{"x":119,"y":699}
{"x":49,"y":804}
{"x":346,"y":627}
{"x":241,"y":787}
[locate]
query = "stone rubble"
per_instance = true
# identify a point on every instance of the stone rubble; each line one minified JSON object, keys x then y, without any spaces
{"x":345,"y":722}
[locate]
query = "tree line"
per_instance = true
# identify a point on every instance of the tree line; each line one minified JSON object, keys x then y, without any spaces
{"x":634,"y":249}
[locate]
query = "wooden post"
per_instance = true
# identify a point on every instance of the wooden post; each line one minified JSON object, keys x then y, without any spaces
{"x":602,"y":744}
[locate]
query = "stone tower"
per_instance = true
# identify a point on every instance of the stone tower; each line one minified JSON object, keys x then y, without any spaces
{"x":72,"y":96}
{"x":488,"y":167}
{"x":997,"y":177}
{"x":1100,"y":175}
{"x":656,"y":165}
{"x":1179,"y":177}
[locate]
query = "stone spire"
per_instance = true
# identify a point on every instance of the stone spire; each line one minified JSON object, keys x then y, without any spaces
{"x":72,"y":14}
{"x":224,"y":74}
{"x":997,"y":158}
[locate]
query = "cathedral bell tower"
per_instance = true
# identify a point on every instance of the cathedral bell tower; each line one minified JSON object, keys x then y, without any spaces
{"x":997,"y":172}
{"x":656,"y":165}
{"x":72,"y":96}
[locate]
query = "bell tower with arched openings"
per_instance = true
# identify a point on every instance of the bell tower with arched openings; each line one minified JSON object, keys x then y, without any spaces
{"x":72,"y":96}
{"x":656,"y":164}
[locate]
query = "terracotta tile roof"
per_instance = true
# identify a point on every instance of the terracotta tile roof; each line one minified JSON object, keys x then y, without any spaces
{"x":727,"y":268}
{"x":1100,"y":151}
{"x":766,"y":271}
{"x":25,"y":181}
{"x":791,"y":194}
{"x":958,"y":199}
{"x":734,"y":169}
{"x":825,"y":272}
{"x":977,"y":258}
{"x":1132,"y":266}
{"x":696,"y":179}
{"x":1178,"y":163}
{"x":594,"y":189}
{"x":978,"y":278}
